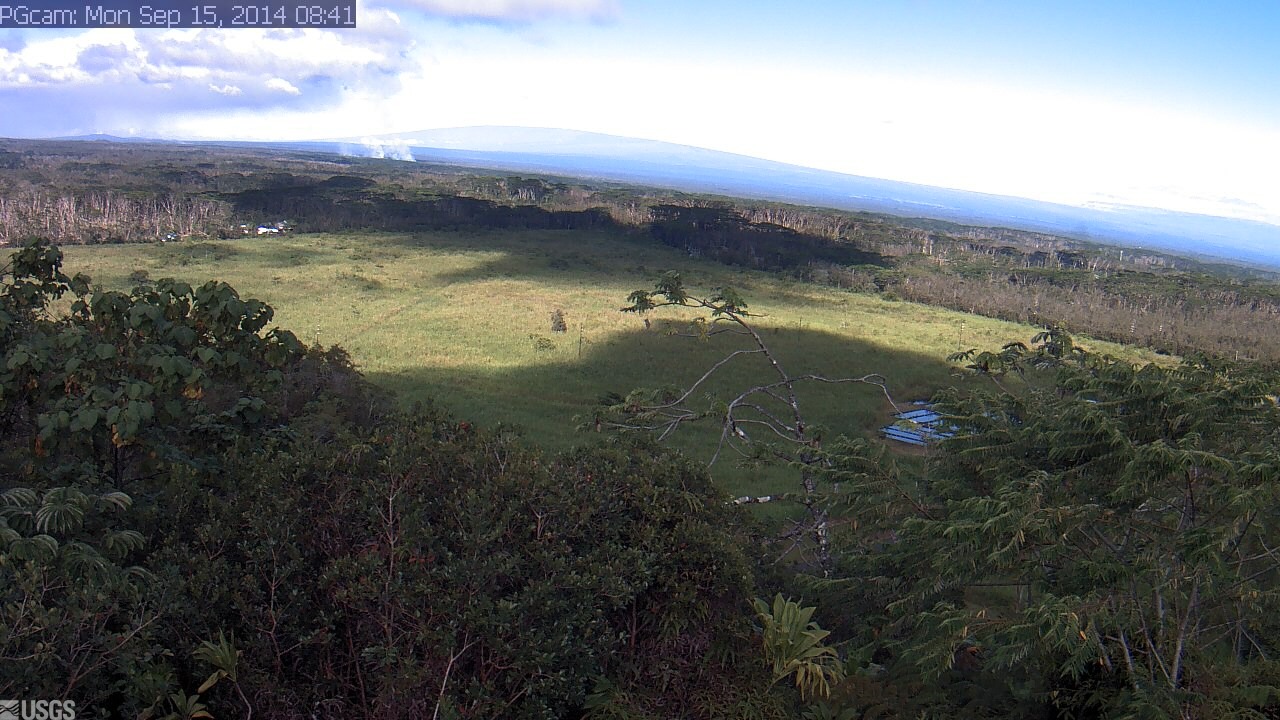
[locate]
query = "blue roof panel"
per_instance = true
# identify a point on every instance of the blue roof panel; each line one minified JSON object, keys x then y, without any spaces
{"x":918,"y":427}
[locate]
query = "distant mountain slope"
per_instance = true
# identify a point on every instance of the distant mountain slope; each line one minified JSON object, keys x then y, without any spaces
{"x":576,"y":153}
{"x":102,"y":137}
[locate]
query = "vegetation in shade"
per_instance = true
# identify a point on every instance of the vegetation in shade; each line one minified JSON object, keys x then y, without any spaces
{"x":793,"y":646}
{"x":1095,"y":535}
{"x":320,"y":554}
{"x":200,"y":515}
{"x":1125,"y":508}
{"x":768,"y":408}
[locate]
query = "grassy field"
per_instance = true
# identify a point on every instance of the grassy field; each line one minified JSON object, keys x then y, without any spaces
{"x":458,"y":318}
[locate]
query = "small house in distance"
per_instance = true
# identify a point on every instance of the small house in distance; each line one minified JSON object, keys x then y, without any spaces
{"x":921,"y":426}
{"x":273,"y":229}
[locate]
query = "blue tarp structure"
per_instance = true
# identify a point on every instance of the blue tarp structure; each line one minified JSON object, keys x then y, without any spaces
{"x":918,"y":427}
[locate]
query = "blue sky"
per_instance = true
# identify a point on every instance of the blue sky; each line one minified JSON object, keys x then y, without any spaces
{"x":1167,"y":104}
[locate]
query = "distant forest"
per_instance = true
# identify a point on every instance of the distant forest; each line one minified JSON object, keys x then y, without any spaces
{"x":77,"y":192}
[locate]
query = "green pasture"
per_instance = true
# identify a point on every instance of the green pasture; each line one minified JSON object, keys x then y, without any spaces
{"x":464,"y":319}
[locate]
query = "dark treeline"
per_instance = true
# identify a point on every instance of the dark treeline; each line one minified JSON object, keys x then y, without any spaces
{"x":92,"y":193}
{"x":346,"y":203}
{"x":724,"y":234}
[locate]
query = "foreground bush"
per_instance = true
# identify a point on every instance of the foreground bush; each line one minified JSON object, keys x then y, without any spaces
{"x":198,"y":511}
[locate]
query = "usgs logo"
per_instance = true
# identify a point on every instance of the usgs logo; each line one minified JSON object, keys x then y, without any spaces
{"x":37,"y":710}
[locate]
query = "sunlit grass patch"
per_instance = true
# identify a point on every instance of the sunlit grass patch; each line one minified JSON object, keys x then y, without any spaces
{"x":465,"y":319}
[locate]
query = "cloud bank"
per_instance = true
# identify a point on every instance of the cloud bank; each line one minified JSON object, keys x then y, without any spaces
{"x":511,"y":11}
{"x":109,"y":80}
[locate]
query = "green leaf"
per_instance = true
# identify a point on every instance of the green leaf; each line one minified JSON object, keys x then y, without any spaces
{"x":122,"y":542}
{"x":222,"y":655}
{"x":62,"y":510}
{"x":40,"y":548}
{"x":116,"y":499}
{"x":183,"y":336}
{"x":85,"y":419}
{"x":213,"y":680}
{"x":19,"y":497}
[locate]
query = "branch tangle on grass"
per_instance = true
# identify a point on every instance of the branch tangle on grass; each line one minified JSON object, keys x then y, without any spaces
{"x":763,"y":421}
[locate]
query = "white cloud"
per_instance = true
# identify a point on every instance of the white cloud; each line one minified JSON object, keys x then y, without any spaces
{"x":929,"y":130}
{"x":120,"y":78}
{"x":511,"y":10}
{"x":282,"y":85}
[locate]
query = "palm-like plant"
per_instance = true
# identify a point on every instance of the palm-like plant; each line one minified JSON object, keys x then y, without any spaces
{"x":793,"y":645}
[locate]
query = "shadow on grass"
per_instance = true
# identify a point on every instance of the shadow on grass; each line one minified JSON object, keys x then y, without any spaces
{"x":717,"y":233}
{"x":555,"y":255}
{"x":556,"y":390}
{"x":543,"y":255}
{"x":188,"y":253}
